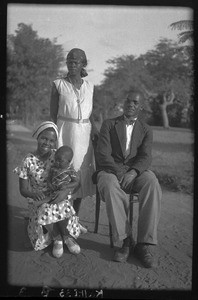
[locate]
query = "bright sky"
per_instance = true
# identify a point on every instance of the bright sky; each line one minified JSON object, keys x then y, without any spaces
{"x":103,"y":32}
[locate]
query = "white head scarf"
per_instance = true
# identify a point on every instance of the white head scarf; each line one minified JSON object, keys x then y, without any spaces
{"x":44,"y":125}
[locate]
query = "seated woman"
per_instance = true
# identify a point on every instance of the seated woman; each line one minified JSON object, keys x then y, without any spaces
{"x":33,"y":184}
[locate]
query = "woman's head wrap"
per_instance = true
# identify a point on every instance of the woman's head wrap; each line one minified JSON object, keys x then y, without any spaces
{"x":77,"y":53}
{"x":45,"y":125}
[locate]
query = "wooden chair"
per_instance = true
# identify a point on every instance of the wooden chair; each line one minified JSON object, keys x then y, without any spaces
{"x":133,"y":198}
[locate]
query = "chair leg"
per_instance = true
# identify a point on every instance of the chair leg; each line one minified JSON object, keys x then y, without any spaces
{"x":134,"y":198}
{"x":111,"y":236}
{"x":97,"y":211}
{"x":131,"y":217}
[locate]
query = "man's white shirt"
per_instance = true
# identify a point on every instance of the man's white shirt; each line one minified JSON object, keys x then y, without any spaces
{"x":129,"y":130}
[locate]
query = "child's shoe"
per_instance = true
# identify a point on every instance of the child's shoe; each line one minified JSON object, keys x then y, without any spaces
{"x":57,"y":249}
{"x":72,"y":246}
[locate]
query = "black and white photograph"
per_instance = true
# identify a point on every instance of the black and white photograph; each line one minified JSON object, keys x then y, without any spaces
{"x":100,"y":149}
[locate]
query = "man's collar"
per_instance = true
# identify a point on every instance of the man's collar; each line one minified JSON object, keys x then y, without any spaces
{"x":129,"y":121}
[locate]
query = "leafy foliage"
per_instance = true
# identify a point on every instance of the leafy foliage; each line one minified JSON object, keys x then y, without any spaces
{"x":32,"y":63}
{"x":172,"y":73}
{"x":187,"y":35}
{"x":123,"y":74}
{"x":184,"y":25}
{"x":165,"y":76}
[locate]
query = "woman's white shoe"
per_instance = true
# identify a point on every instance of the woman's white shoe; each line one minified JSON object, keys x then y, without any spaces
{"x":57,"y":249}
{"x":72,"y":246}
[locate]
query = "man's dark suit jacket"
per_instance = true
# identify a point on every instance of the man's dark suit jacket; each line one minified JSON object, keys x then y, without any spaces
{"x":110,"y":151}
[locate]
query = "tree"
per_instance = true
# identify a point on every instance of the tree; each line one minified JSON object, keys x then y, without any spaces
{"x":170,"y":71}
{"x":32,"y":63}
{"x":100,"y":105}
{"x":186,"y":36}
{"x":124,"y":73}
{"x":184,"y":25}
{"x":164,"y":75}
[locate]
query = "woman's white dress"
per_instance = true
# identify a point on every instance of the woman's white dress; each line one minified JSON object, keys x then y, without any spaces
{"x":75,"y":128}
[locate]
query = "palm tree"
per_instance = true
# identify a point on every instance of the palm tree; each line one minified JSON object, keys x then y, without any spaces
{"x":186,"y":25}
{"x":186,"y":35}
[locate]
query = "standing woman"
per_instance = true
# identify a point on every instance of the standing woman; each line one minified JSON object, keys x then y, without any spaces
{"x":71,"y":109}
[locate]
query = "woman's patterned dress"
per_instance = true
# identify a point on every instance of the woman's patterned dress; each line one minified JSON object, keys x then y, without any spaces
{"x":36,"y":172}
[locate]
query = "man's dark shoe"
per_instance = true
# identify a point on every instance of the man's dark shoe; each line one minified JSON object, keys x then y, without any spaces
{"x":122,"y":254}
{"x":146,"y":253}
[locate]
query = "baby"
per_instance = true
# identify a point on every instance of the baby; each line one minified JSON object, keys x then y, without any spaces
{"x":62,"y":176}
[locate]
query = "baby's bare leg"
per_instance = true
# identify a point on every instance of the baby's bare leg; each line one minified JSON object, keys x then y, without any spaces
{"x":53,"y":229}
{"x":62,"y":226}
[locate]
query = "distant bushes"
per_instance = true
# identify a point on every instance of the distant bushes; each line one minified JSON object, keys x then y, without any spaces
{"x":176,"y":183}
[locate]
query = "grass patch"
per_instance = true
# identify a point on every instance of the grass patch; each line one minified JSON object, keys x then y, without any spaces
{"x":173,"y":159}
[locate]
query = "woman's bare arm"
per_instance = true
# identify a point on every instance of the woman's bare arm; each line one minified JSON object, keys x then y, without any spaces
{"x":27,"y":193}
{"x":94,"y":129}
{"x":54,"y":103}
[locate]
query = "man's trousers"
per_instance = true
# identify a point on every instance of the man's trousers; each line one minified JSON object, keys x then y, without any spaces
{"x":117,"y":205}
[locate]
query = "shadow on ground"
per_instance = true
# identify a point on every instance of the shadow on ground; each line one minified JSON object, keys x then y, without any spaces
{"x":18,"y":238}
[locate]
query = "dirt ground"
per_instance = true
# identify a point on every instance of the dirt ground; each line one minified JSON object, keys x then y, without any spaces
{"x":93,"y":269}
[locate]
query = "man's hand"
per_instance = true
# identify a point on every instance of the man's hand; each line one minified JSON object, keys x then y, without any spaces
{"x":127,"y":179}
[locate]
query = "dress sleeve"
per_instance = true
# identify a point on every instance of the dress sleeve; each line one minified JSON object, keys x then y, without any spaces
{"x":22,"y":169}
{"x":56,"y":85}
{"x":91,"y":86}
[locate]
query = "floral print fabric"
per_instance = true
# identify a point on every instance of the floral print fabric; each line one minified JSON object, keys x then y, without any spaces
{"x":36,"y":172}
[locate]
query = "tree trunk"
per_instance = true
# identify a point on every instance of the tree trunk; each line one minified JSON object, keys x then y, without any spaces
{"x":100,"y":117}
{"x":167,"y":100}
{"x":164,"y":115}
{"x":105,"y":114}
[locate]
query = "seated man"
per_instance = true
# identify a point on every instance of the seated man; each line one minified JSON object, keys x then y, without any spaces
{"x":123,"y":157}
